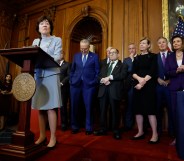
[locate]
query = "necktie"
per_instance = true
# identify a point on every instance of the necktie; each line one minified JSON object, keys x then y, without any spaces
{"x":163,"y":58}
{"x":84,"y":59}
{"x":110,"y":69}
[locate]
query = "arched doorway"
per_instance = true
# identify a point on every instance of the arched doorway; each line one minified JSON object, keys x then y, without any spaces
{"x":86,"y":28}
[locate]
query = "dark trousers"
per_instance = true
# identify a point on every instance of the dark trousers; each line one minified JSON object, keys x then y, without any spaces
{"x":179,"y":124}
{"x":129,"y":116}
{"x":105,"y":101}
{"x":65,"y":94}
{"x":164,"y":100}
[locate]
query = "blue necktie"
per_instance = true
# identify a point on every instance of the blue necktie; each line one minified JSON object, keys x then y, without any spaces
{"x":84,"y":59}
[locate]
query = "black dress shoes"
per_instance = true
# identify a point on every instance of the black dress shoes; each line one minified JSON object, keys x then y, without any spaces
{"x":117,"y":136}
{"x":100,"y":132}
{"x":75,"y":131}
{"x":139,"y":137}
{"x":89,"y":132}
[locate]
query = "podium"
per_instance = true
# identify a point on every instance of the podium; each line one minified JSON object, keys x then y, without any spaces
{"x":22,"y":146}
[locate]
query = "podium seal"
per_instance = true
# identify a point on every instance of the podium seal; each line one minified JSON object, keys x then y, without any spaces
{"x":24,"y":87}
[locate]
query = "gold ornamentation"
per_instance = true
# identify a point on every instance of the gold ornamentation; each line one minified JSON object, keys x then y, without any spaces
{"x":165,"y":18}
{"x":85,"y":11}
{"x":24,"y":87}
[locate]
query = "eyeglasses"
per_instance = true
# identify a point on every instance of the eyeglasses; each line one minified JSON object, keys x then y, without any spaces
{"x":113,"y":52}
{"x":86,"y":49}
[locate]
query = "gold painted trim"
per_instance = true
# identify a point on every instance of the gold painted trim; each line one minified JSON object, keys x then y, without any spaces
{"x":165,"y":18}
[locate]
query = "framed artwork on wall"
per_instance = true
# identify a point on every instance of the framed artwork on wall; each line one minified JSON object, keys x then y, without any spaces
{"x":171,"y":10}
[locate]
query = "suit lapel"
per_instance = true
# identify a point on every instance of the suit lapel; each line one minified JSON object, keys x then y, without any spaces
{"x":90,"y":56}
{"x":116,"y":67}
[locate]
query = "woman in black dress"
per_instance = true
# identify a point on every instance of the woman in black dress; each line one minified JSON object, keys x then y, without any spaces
{"x":144,"y":75}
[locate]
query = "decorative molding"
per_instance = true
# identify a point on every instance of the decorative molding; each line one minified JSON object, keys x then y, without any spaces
{"x":22,"y":21}
{"x":51,"y":12}
{"x":85,"y":11}
{"x":165,"y":18}
{"x":7,"y":19}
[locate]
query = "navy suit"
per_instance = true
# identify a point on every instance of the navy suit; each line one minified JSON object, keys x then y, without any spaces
{"x":83,"y":82}
{"x":129,"y":117}
{"x":163,"y":97}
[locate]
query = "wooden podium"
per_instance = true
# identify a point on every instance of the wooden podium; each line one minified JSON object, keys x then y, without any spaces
{"x":22,"y":147}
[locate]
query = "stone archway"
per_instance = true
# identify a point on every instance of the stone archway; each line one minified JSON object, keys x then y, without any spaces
{"x":87,"y":28}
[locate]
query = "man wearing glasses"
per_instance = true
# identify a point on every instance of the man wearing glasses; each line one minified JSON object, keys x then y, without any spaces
{"x":83,"y":84}
{"x":110,"y":92}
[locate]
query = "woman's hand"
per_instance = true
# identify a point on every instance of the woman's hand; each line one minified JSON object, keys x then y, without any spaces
{"x":138,"y":86}
{"x":142,"y":81}
{"x":180,"y":69}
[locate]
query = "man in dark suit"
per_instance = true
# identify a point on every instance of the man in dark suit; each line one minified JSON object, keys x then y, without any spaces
{"x":163,"y":94}
{"x":110,"y":92}
{"x":83,"y":82}
{"x":128,"y":88}
{"x":65,"y":91}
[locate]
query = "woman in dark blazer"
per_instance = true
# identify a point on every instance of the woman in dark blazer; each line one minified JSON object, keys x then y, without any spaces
{"x":175,"y":71}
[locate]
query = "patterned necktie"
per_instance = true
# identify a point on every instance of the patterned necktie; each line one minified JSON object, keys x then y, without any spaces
{"x":110,"y":69}
{"x":163,"y":58}
{"x":84,"y":59}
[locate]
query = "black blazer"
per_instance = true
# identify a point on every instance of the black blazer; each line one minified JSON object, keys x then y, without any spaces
{"x":116,"y":85}
{"x":103,"y":63}
{"x":65,"y":73}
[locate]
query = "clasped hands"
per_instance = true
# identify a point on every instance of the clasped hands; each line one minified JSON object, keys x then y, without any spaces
{"x":163,"y":82}
{"x":105,"y":81}
{"x":180,"y":69}
{"x":142,"y":82}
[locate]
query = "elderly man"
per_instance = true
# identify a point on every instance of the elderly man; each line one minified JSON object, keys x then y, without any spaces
{"x":110,"y":92}
{"x":83,"y":83}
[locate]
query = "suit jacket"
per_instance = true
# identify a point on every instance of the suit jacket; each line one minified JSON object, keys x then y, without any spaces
{"x":116,"y":85}
{"x":54,"y":50}
{"x":129,"y":79}
{"x":89,"y":73}
{"x":176,"y":79}
{"x":161,"y":68}
{"x":103,"y":62}
{"x":65,"y":73}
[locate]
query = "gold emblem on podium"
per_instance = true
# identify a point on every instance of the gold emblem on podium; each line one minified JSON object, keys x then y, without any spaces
{"x":23,"y":87}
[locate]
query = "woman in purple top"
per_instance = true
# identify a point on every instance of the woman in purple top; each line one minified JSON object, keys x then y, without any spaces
{"x":175,"y":71}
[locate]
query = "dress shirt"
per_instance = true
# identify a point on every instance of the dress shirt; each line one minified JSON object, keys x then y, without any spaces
{"x":115,"y":62}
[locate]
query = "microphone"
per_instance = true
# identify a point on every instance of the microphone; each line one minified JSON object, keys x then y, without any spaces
{"x":40,"y":41}
{"x":8,"y":42}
